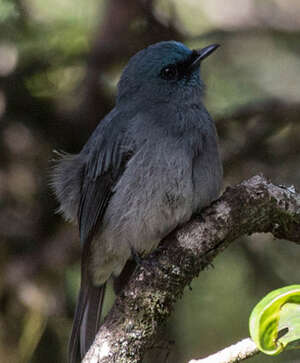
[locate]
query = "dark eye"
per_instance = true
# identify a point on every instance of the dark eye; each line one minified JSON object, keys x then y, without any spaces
{"x":169,"y":72}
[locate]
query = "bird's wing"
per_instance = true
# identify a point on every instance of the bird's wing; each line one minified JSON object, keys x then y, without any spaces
{"x":106,"y":161}
{"x":106,"y":155}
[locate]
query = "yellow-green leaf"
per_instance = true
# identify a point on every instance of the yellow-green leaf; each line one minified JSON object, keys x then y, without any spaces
{"x":275,"y":321}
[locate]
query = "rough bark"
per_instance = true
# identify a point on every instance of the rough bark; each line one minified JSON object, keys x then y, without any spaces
{"x":255,"y":205}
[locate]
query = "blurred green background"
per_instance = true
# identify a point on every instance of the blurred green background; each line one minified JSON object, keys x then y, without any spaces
{"x":60,"y":61}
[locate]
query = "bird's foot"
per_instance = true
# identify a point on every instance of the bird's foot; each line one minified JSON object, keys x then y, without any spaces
{"x":147,"y":262}
{"x":199,"y":216}
{"x":136,"y":256}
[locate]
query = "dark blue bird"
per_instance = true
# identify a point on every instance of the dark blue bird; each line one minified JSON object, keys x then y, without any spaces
{"x":150,"y":164}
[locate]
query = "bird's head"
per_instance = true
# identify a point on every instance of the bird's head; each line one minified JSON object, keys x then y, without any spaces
{"x":162,"y":72}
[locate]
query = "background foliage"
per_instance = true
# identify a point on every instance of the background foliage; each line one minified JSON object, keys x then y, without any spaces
{"x":60,"y":61}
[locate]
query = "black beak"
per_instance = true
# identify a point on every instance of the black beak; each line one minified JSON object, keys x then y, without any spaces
{"x":202,"y":54}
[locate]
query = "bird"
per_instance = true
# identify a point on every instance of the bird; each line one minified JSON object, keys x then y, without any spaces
{"x":151,"y":163}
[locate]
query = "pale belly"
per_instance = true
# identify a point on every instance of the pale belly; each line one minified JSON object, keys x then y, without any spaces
{"x":150,"y":200}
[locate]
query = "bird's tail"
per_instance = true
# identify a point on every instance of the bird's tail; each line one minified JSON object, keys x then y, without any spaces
{"x":87,"y":319}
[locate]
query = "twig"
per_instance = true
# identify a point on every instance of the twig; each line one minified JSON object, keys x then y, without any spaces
{"x":242,"y":350}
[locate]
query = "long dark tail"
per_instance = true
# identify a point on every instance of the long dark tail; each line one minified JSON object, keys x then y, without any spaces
{"x":86,"y":322}
{"x":89,"y":307}
{"x":87,"y":316}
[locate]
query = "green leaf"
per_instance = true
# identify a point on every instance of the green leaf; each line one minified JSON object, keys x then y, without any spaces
{"x":275,"y":321}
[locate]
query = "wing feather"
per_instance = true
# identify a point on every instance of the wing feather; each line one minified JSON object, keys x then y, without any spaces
{"x":105,"y":163}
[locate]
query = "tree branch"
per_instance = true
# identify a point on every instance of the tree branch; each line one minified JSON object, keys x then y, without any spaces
{"x":242,"y":350}
{"x":255,"y":205}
